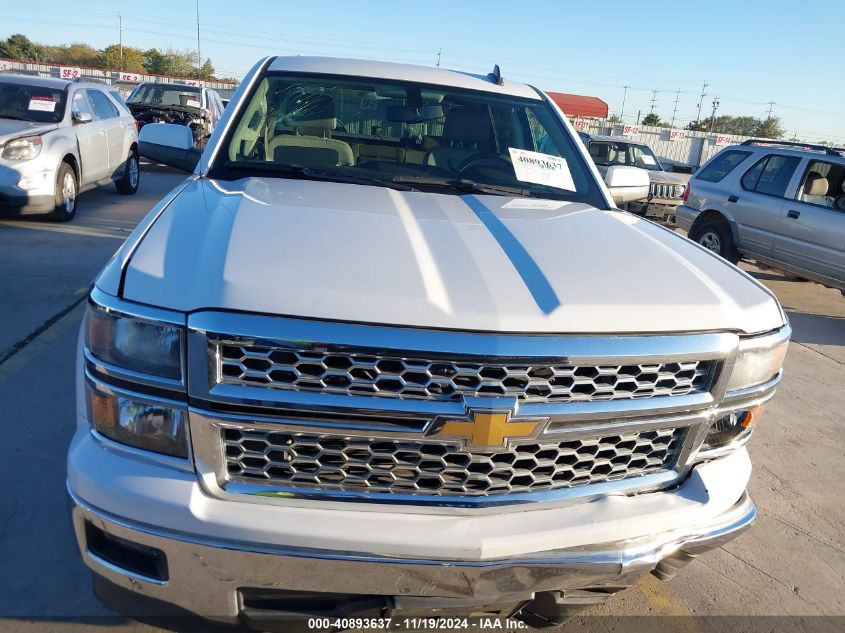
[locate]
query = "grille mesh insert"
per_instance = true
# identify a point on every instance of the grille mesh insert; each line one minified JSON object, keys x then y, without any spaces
{"x":407,"y":377}
{"x":336,"y":462}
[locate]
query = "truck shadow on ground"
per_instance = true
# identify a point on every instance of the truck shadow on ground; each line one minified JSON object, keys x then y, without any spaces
{"x":818,"y":329}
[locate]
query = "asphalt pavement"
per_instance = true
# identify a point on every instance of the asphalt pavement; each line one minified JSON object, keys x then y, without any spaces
{"x":785,"y":574}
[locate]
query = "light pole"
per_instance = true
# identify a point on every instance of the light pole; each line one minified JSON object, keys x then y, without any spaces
{"x":713,"y":114}
{"x":675,"y":111}
{"x":622,"y":113}
{"x":700,"y":101}
{"x":199,"y":54}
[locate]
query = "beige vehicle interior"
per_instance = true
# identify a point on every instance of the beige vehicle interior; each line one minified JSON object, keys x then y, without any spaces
{"x":301,"y":126}
{"x":824,"y":185}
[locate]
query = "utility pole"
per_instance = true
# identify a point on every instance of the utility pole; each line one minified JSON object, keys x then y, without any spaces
{"x":199,"y":54}
{"x":439,"y":50}
{"x":700,"y":101}
{"x":624,"y":96}
{"x":771,"y":106}
{"x":653,"y":100}
{"x":120,"y":35}
{"x":639,"y":112}
{"x":675,"y":111}
{"x":713,"y":114}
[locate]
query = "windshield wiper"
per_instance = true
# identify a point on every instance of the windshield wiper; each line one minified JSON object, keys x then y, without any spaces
{"x":314,"y":174}
{"x":462,"y":184}
{"x":14,"y":117}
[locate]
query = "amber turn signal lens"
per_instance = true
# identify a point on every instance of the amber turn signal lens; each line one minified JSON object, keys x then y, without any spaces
{"x":752,"y":417}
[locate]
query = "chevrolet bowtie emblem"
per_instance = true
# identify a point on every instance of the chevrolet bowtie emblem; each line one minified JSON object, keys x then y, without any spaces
{"x":488,"y":429}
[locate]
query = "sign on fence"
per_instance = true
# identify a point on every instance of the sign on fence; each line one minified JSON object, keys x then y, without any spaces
{"x":131,"y":77}
{"x":70,"y":72}
{"x":197,"y":83}
{"x":630,"y":129}
{"x":724,"y":139}
{"x":4,"y":65}
{"x":677,"y":135}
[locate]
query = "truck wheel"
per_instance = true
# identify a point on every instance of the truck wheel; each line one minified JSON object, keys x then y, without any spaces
{"x":128,"y":183}
{"x":67,"y":190}
{"x":715,"y":236}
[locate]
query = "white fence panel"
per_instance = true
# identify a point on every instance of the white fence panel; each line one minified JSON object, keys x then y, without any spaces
{"x":690,"y":148}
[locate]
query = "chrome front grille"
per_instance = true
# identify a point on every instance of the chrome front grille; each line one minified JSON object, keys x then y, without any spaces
{"x":437,"y":468}
{"x":664,"y":190}
{"x":529,"y":380}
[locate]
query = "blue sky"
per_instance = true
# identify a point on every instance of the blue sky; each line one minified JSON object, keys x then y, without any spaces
{"x":751,"y":52}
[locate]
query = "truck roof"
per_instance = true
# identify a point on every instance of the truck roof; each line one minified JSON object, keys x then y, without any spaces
{"x":402,"y":72}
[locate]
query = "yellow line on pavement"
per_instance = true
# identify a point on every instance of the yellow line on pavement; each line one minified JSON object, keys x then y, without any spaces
{"x":59,"y":228}
{"x":664,"y":602}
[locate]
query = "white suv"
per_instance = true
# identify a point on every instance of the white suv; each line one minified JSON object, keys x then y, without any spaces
{"x":59,"y":138}
{"x":779,"y":203}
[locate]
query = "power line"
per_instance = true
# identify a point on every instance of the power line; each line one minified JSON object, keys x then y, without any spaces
{"x":653,"y":99}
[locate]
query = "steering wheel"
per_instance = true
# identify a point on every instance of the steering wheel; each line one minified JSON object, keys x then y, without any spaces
{"x":488,"y":157}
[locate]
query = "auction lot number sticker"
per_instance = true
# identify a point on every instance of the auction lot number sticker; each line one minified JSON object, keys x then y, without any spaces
{"x":542,"y":169}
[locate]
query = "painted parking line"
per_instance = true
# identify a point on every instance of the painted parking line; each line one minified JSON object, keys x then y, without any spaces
{"x":114,"y":233}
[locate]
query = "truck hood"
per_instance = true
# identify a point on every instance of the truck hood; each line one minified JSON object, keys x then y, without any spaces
{"x":11,"y":128}
{"x":488,"y":263}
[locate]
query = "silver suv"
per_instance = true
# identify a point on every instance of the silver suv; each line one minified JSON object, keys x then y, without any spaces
{"x":778,"y":203}
{"x":60,"y":137}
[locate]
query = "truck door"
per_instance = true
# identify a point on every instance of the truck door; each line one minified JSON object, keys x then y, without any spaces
{"x":91,"y":139}
{"x":812,"y":230}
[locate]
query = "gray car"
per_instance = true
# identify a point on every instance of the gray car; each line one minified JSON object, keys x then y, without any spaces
{"x":781,"y":204}
{"x":59,"y":138}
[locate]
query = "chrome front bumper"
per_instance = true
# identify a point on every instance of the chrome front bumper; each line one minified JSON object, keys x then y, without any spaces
{"x":205,"y":577}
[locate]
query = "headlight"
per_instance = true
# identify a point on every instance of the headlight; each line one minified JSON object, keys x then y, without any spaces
{"x":134,"y":344}
{"x":135,"y":392}
{"x":758,"y":361}
{"x":25,"y":148}
{"x":149,"y":425}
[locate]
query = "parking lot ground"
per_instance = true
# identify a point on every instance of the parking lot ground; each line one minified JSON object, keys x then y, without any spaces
{"x":786,"y":574}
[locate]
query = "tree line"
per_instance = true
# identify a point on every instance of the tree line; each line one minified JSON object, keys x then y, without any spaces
{"x":770,"y":127}
{"x":152,"y":61}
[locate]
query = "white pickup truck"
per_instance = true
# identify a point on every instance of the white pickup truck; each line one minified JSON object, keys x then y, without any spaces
{"x":380,"y":358}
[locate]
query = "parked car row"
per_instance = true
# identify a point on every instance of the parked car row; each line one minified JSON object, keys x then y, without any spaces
{"x":781,"y":204}
{"x":778,"y":203}
{"x":59,"y":138}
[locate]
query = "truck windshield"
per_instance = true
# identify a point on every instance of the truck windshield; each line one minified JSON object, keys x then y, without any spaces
{"x":25,"y":102}
{"x":619,"y":153}
{"x":165,"y":95}
{"x":427,"y":136}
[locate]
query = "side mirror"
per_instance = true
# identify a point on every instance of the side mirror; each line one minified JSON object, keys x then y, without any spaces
{"x":170,"y":144}
{"x":627,"y":184}
{"x":81,"y":117}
